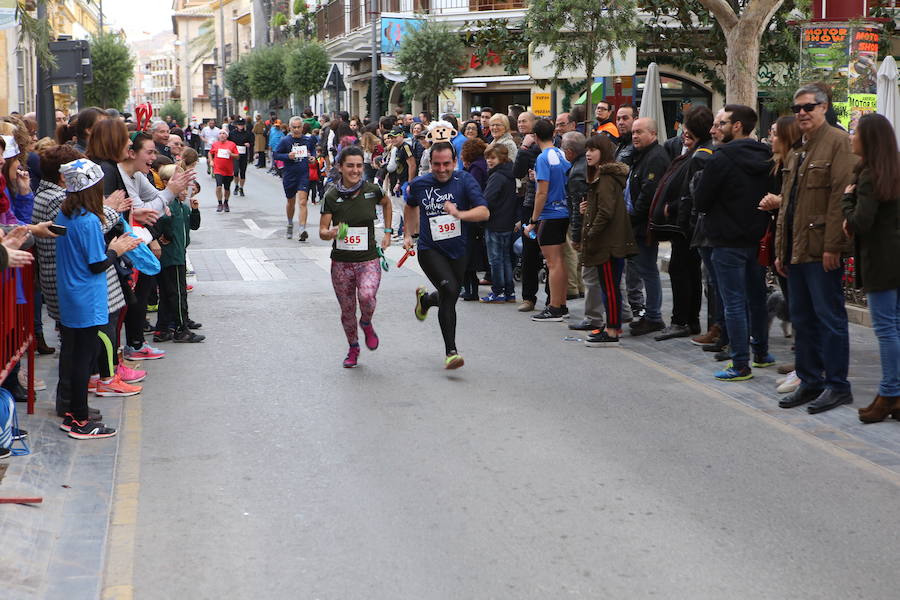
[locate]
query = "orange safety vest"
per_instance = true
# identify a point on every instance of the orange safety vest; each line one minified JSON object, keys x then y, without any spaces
{"x":609,"y":129}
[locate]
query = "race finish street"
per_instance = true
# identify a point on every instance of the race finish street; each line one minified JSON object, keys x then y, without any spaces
{"x":254,"y":465}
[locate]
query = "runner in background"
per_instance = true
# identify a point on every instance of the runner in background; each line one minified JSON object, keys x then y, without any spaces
{"x":348,"y":218}
{"x":243,"y":139}
{"x":438,"y":209}
{"x":295,"y":150}
{"x":223,"y":152}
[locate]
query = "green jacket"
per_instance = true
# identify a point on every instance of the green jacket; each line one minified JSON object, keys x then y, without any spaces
{"x":876,"y":234}
{"x":607,"y":232}
{"x":176,"y":229}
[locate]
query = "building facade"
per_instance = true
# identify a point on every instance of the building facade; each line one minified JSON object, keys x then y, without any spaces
{"x":191,"y":21}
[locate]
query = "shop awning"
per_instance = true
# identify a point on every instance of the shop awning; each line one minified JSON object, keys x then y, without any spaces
{"x":596,"y":94}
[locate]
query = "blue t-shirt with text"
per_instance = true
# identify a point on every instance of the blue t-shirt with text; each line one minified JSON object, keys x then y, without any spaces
{"x":429,"y":195}
{"x":552,"y":166}
{"x":82,"y":294}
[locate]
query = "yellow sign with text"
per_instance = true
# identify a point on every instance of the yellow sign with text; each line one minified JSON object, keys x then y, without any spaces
{"x":540,"y":104}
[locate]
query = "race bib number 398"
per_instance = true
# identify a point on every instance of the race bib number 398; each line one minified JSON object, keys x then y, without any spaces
{"x":444,"y":227}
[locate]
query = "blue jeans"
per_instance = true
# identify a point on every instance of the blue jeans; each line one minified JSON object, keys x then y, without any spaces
{"x":713,"y":297}
{"x":648,"y":271}
{"x":884,"y":307}
{"x":822,"y":344}
{"x":498,"y":245}
{"x":742,"y":284}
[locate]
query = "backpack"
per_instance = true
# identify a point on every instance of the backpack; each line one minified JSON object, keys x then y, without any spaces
{"x":8,"y":422}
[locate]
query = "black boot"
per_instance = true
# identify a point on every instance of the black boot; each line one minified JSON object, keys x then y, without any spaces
{"x":42,"y":346}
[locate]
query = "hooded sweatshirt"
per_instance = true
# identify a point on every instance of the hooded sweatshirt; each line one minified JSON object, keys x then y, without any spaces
{"x":735,"y":179}
{"x":500,"y":194}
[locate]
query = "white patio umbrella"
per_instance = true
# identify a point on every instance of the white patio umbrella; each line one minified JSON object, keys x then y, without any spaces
{"x":651,"y":101}
{"x":888,"y":103}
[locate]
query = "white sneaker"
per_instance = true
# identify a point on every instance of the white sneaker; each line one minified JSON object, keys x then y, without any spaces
{"x":39,"y":384}
{"x":790,"y":383}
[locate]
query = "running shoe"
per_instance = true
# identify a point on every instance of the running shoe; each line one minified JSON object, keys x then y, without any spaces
{"x":790,"y":384}
{"x":152,"y":308}
{"x":289,"y":232}
{"x":116,"y":387}
{"x":90,"y":430}
{"x":493,"y":298}
{"x":220,"y":208}
{"x":453,"y":361}
{"x":371,"y":336}
{"x":600,"y":339}
{"x":129,"y":375}
{"x":68,"y":419}
{"x":303,"y":236}
{"x":421,"y":309}
{"x":145,"y":352}
{"x":761,"y":361}
{"x":732,"y":374}
{"x":352,"y":356}
{"x":19,"y":434}
{"x":549,"y":315}
{"x":189,"y":288}
{"x":92,"y":383}
{"x":186,"y":336}
{"x":193,"y":324}
{"x":163,"y":336}
{"x":227,"y":209}
{"x":510,"y":297}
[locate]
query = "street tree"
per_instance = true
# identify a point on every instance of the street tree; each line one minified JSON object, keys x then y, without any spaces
{"x":743,"y":24}
{"x":581,"y":33}
{"x":265,"y":73}
{"x":430,"y":57}
{"x":113,"y":66}
{"x":237,"y":79}
{"x":305,"y":68}
{"x":173,"y":109}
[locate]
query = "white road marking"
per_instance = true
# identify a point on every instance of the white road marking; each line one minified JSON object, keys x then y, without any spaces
{"x":256,"y":231}
{"x":253,"y":265}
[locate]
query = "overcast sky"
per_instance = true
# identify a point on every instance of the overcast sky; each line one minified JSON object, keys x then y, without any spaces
{"x":140,"y":20}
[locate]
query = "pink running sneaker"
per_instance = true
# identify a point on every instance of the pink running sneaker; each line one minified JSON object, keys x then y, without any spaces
{"x":146,"y":352}
{"x":116,"y":387}
{"x":371,"y":336}
{"x":129,"y":375}
{"x":352,"y":355}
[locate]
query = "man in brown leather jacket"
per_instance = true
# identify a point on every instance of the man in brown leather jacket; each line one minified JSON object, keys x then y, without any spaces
{"x":809,"y":243}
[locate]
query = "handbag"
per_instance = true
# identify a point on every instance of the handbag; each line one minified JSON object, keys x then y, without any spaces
{"x":765,"y":254}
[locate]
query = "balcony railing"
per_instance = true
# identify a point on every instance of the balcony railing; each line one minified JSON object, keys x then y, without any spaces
{"x":339,"y":17}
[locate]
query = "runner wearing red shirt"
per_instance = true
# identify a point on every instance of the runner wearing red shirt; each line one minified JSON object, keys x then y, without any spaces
{"x":223,"y":152}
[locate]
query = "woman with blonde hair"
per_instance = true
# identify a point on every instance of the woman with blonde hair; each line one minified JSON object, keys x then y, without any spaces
{"x":499,"y":125}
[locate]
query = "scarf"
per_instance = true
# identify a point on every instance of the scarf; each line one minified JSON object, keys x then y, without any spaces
{"x":345,"y":191}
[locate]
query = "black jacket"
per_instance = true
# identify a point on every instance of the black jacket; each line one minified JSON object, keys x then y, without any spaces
{"x":687,"y":214}
{"x":525,"y":160}
{"x":576,"y":191}
{"x":625,"y":150}
{"x":500,"y":193}
{"x":735,"y":179}
{"x":647,"y":168}
{"x":163,"y":149}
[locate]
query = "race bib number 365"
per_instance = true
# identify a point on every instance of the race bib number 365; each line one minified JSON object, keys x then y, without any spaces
{"x":357,"y":240}
{"x":444,"y":227}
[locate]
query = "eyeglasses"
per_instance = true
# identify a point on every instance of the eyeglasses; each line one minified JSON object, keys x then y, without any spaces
{"x":808,"y":107}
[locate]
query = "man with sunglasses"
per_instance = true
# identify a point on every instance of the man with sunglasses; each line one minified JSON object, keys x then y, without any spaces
{"x":809,"y":242}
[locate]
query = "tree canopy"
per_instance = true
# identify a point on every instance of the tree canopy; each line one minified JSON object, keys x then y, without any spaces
{"x":113,"y":68}
{"x":430,"y":58}
{"x":237,"y":78}
{"x":172,"y":108}
{"x":265,"y":73}
{"x":305,"y":67}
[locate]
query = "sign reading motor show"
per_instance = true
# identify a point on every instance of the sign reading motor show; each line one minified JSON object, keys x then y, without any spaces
{"x":846,"y":57}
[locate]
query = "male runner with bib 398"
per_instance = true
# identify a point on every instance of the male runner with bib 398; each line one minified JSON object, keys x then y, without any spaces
{"x":348,"y":218}
{"x":439,"y":207}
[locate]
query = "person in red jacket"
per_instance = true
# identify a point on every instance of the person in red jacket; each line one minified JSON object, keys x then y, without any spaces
{"x":223,"y":152}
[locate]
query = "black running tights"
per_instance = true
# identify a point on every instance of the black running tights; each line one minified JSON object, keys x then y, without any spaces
{"x":446,"y":274}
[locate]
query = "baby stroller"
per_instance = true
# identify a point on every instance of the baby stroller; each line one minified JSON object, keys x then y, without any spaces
{"x":517,"y":263}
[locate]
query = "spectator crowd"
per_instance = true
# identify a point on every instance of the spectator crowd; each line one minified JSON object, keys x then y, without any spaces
{"x":578,"y":207}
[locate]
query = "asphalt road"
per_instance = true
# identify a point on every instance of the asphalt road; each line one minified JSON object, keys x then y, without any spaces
{"x":542,"y":469}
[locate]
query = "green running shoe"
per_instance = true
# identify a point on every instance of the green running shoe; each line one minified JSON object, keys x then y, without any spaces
{"x":421,"y":311}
